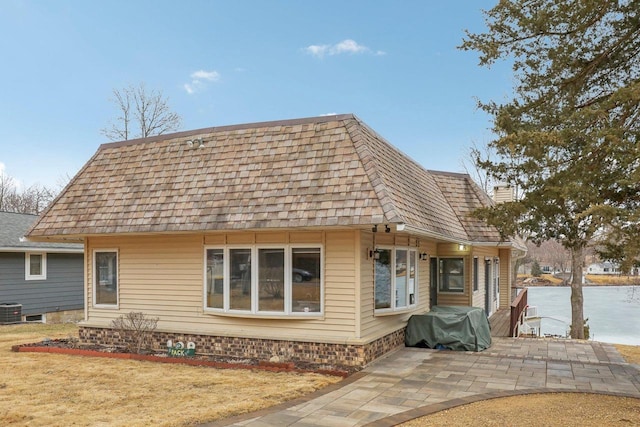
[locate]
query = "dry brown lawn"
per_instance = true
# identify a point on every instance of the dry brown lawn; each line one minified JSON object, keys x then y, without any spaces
{"x":616,"y":280}
{"x":39,"y":389}
{"x":54,"y":390}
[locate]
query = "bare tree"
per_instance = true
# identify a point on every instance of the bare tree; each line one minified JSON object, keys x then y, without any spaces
{"x":32,"y":200}
{"x":7,"y":188}
{"x":472,"y":165}
{"x":142,"y":113}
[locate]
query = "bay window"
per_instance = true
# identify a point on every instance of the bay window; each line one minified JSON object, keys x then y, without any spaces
{"x":395,"y":277}
{"x":282,"y":280}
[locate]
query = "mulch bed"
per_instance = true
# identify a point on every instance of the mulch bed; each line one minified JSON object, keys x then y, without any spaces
{"x":71,"y":347}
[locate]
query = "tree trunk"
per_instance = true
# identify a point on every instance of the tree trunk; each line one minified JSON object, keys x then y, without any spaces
{"x":577,"y":300}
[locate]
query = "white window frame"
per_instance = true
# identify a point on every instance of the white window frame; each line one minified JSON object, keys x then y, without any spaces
{"x":394,"y":308}
{"x":95,"y":278}
{"x":288,"y":281}
{"x":43,"y":266}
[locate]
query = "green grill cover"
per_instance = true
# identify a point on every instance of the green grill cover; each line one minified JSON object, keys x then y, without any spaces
{"x":455,"y":328}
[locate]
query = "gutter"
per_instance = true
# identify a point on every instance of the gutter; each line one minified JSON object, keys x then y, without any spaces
{"x":41,"y":249}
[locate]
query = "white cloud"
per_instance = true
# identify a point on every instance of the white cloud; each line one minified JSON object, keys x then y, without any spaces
{"x":212,"y":76}
{"x":199,"y":80}
{"x":347,"y":46}
{"x":317,"y":50}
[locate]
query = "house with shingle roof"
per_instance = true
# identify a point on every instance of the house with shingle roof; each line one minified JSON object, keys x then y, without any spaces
{"x":313,"y":239}
{"x":44,"y":279}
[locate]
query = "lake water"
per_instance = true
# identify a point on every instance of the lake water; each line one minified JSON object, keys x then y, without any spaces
{"x":613,"y":311}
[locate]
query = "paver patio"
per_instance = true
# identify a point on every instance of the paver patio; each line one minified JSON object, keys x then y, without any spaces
{"x":411,"y":382}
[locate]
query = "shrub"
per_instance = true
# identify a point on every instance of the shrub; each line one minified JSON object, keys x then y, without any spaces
{"x":536,"y":271}
{"x":135,"y":329}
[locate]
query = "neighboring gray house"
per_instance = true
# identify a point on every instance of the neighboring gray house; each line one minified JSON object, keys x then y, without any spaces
{"x":45,"y":278}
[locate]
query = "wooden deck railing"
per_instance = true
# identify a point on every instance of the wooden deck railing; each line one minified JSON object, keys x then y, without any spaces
{"x":518,"y":306}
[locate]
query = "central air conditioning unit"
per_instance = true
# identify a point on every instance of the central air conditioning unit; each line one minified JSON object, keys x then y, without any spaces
{"x":10,"y":313}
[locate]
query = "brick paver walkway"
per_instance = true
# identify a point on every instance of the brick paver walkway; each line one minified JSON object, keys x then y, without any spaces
{"x":413,"y":382}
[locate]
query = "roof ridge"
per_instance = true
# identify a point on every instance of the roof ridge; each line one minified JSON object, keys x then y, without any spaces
{"x":240,"y":126}
{"x":367,"y":159}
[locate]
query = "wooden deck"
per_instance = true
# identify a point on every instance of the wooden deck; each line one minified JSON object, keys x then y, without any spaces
{"x":499,"y":322}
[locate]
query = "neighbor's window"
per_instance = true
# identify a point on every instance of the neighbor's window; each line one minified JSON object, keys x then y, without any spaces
{"x":395,"y":291}
{"x":105,"y":277}
{"x":264,"y":280}
{"x":451,"y":274}
{"x":35,"y":266}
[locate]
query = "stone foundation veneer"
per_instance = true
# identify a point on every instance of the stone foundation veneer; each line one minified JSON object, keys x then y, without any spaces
{"x":319,"y":354}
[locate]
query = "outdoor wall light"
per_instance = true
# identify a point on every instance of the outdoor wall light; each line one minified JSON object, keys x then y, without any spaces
{"x":462,"y":247}
{"x":374,"y":229}
{"x":424,"y":256}
{"x":387,"y":229}
{"x":375,"y":254}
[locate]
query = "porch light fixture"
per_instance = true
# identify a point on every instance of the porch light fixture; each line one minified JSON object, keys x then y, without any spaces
{"x":375,"y":254}
{"x":462,"y":247}
{"x":374,"y":229}
{"x":424,"y":256}
{"x":387,"y":229}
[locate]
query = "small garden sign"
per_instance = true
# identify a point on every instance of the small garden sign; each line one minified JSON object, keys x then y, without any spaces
{"x":179,"y":350}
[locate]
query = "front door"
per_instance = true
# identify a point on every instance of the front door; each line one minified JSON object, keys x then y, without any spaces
{"x":433,"y":282}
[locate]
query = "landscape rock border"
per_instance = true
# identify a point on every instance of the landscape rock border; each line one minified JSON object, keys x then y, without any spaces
{"x":50,"y":347}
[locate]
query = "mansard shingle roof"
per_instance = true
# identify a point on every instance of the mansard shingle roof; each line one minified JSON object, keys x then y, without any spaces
{"x":314,"y":172}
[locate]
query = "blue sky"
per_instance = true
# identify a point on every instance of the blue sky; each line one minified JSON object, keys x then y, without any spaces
{"x":392,"y":63}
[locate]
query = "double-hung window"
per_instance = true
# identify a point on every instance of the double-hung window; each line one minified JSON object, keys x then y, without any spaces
{"x":35,"y":266}
{"x":451,"y":275}
{"x":105,"y":277}
{"x":395,"y":278}
{"x":269,"y":280}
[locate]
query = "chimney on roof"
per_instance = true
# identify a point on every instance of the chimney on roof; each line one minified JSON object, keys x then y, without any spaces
{"x":503,"y":193}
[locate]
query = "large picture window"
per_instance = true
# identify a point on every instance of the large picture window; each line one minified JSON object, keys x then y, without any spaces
{"x":451,"y":275}
{"x":264,"y":280}
{"x":395,"y":278}
{"x":35,"y":266}
{"x":105,"y":277}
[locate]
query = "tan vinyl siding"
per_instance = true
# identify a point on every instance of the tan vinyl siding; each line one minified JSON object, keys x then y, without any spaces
{"x":505,"y":278}
{"x":163,"y":276}
{"x":479,"y":297}
{"x":374,"y":326}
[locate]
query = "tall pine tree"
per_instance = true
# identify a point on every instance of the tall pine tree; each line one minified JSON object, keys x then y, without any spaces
{"x":568,"y":139}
